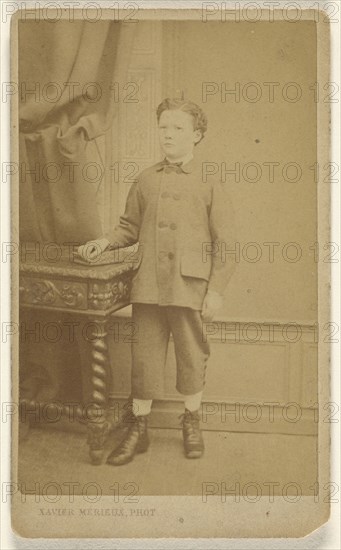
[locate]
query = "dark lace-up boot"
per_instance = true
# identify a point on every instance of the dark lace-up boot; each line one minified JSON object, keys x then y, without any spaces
{"x":193,"y":441}
{"x":135,"y":441}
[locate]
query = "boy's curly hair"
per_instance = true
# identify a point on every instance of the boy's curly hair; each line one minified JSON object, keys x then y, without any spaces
{"x":198,"y":115}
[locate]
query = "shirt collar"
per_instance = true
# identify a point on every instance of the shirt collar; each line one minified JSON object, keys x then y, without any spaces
{"x":187,"y":165}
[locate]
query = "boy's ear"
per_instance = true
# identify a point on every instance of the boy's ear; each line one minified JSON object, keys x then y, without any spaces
{"x":197,"y":136}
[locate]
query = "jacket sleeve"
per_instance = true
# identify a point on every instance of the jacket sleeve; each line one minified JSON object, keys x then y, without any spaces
{"x":126,"y":232}
{"x":223,"y":245}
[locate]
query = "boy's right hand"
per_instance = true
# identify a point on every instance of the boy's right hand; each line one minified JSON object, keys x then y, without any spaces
{"x":91,"y":250}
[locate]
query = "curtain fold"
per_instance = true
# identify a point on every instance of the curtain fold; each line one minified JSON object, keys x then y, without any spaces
{"x":66,"y":76}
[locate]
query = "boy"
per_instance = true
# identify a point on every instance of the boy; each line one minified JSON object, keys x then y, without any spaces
{"x":182,"y":224}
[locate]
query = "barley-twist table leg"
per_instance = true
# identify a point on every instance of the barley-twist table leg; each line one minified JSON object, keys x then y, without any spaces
{"x":100,"y":365}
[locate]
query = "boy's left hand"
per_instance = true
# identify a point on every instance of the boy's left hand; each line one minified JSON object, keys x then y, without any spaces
{"x":212,"y":303}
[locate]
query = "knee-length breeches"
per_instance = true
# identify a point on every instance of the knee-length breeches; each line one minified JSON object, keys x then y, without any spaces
{"x":154,"y":324}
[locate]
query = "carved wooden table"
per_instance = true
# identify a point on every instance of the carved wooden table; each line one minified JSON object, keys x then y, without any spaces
{"x":93,"y":292}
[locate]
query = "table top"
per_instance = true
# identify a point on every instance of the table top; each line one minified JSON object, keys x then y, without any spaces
{"x":62,"y":264}
{"x":61,"y":284}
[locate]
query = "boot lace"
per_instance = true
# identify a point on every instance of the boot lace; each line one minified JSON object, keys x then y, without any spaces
{"x":190,"y":422}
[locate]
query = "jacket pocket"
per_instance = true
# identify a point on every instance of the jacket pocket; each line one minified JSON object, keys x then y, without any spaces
{"x":192,"y":265}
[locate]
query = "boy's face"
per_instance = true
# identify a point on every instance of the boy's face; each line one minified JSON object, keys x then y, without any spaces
{"x":176,"y":133}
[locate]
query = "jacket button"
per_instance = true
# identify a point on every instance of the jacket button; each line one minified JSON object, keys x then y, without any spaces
{"x":164,"y":195}
{"x":170,"y":255}
{"x":162,"y":224}
{"x":173,"y":226}
{"x":176,"y":196}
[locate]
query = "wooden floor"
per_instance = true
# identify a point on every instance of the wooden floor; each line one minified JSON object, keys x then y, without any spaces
{"x":236,"y":461}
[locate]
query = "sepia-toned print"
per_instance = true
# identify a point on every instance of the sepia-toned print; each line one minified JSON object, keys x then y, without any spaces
{"x":171,"y":262}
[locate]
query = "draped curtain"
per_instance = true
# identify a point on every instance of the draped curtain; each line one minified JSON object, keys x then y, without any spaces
{"x":67,"y":76}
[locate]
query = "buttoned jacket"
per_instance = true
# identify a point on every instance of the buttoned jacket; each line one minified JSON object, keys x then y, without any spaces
{"x":184,"y":225}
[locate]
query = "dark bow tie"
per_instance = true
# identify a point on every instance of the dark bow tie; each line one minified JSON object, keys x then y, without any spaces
{"x":169,"y":167}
